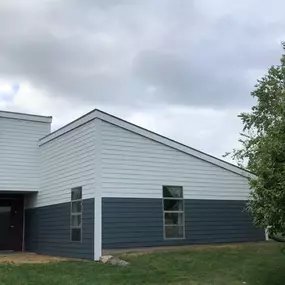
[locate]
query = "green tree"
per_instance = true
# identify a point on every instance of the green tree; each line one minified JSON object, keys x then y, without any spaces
{"x":263,"y":150}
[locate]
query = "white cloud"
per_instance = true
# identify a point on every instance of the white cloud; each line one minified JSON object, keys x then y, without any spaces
{"x":5,"y":88}
{"x":29,"y":99}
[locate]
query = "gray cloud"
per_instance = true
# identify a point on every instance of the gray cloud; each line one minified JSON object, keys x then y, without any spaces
{"x":213,"y":70}
{"x":140,"y":52}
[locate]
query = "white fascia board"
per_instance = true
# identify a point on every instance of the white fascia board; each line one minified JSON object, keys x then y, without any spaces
{"x":26,"y":117}
{"x":69,"y":127}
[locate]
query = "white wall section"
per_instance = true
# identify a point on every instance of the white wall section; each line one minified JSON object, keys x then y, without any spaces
{"x":145,"y":133}
{"x":19,"y":152}
{"x":134,"y":162}
{"x":169,"y":142}
{"x":136,"y":166}
{"x":66,"y":162}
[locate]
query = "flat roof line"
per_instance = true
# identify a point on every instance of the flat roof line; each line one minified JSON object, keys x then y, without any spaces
{"x":24,"y":116}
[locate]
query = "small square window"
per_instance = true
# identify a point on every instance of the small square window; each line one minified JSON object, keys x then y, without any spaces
{"x":76,"y":234}
{"x":173,"y":211}
{"x":76,"y":214}
{"x":172,"y":192}
{"x":76,"y":220}
{"x":173,"y":218}
{"x":173,"y":205}
{"x":76,"y":207}
{"x":174,"y":232}
{"x":76,"y":193}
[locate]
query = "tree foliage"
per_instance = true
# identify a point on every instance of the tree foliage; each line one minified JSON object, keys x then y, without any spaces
{"x":263,"y":149}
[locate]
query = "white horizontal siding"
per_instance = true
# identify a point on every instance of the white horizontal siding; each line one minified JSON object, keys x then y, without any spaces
{"x":19,"y":153}
{"x":67,"y":161}
{"x":135,"y":166}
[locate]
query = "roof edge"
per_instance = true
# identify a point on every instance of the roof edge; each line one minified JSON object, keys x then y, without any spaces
{"x":25,"y":116}
{"x":96,"y":113}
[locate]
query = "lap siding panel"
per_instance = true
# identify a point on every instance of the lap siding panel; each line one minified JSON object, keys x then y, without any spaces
{"x":47,"y":231}
{"x":138,"y":222}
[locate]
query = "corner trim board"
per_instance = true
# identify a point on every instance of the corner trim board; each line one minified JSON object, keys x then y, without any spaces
{"x":98,"y":192}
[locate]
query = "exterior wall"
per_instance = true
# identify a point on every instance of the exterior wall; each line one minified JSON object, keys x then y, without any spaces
{"x":138,"y":222}
{"x":135,"y":168}
{"x":128,"y":171}
{"x":66,"y":162}
{"x":19,"y":151}
{"x":47,"y":231}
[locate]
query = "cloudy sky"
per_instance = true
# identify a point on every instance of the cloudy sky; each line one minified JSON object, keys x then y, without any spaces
{"x":184,"y":69}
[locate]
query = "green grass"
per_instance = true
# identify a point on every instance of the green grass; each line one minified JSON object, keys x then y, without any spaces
{"x":262,"y":264}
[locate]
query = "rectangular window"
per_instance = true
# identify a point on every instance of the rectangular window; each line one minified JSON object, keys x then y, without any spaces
{"x":76,"y":214}
{"x":173,"y":212}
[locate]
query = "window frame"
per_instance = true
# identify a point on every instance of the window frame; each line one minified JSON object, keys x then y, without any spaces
{"x":176,"y":212}
{"x":72,"y":214}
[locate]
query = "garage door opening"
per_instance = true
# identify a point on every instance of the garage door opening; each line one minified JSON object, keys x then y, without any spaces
{"x":11,"y":222}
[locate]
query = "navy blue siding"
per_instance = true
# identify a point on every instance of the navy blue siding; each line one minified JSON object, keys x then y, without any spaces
{"x":47,"y":231}
{"x":136,"y":222}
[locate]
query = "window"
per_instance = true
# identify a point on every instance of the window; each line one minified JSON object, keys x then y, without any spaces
{"x":76,"y":214}
{"x":173,"y":212}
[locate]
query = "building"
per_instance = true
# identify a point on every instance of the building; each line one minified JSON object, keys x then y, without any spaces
{"x":103,"y":183}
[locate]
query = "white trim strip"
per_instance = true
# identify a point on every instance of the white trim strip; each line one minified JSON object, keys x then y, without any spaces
{"x":98,"y":193}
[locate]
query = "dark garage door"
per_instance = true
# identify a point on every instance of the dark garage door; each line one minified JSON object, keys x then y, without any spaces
{"x":11,"y":223}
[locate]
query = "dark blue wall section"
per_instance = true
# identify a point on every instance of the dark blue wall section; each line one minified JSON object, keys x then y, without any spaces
{"x":47,"y":231}
{"x":136,"y":222}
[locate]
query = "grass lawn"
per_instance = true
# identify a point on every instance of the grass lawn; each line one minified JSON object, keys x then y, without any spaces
{"x":262,"y":264}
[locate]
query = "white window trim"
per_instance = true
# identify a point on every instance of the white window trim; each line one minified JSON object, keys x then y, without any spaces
{"x":178,"y":212}
{"x":76,"y":214}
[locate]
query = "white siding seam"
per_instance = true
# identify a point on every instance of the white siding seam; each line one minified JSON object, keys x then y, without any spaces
{"x":98,"y":192}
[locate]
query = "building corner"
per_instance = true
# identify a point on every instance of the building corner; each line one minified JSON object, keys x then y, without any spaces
{"x":98,"y":192}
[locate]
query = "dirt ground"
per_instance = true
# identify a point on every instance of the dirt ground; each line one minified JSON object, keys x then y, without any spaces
{"x":148,"y":250}
{"x":23,"y":257}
